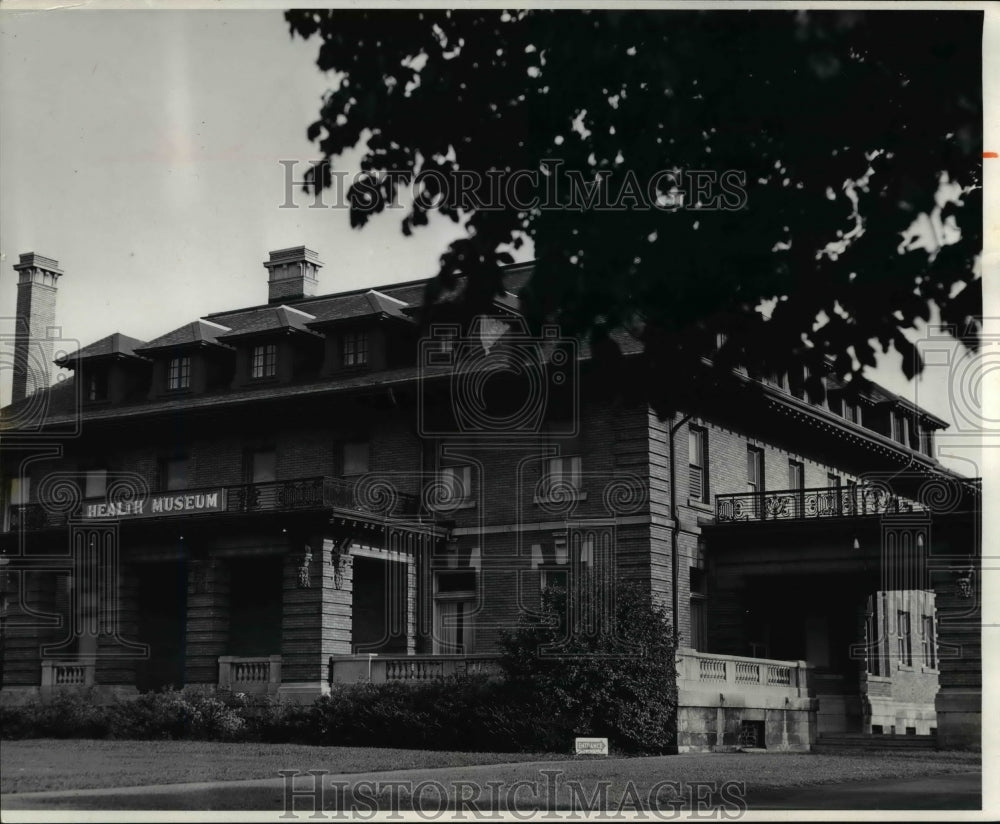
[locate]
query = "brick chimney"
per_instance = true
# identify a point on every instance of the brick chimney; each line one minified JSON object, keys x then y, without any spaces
{"x":36,"y":315}
{"x":292,"y":274}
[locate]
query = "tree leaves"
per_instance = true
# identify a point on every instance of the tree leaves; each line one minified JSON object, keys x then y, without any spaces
{"x":840,"y":124}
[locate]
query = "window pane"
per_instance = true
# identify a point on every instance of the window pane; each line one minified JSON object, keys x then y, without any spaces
{"x":96,"y":483}
{"x":355,"y":458}
{"x":177,"y":472}
{"x":263,"y":466}
{"x":464,"y":581}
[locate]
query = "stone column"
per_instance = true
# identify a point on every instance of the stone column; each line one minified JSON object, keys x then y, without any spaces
{"x":316,"y":615}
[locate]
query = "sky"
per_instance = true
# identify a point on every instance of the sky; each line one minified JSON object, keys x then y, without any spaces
{"x":141,"y":149}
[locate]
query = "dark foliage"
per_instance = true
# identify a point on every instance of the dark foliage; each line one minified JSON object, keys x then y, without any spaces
{"x":603,"y":662}
{"x":833,"y":120}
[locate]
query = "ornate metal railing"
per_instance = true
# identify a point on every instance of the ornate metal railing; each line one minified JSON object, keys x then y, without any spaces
{"x":820,"y":502}
{"x":369,"y":495}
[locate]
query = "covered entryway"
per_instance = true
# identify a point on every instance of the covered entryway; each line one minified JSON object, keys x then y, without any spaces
{"x":162,"y":614}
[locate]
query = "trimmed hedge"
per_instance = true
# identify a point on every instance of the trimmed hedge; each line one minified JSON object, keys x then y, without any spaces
{"x":457,"y":714}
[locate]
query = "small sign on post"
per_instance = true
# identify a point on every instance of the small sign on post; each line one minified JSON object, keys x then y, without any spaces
{"x":591,"y":746}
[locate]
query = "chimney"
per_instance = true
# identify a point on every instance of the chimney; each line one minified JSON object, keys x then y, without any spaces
{"x":292,"y":274}
{"x":36,"y":317}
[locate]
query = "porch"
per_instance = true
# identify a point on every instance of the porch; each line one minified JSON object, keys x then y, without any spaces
{"x":729,"y":702}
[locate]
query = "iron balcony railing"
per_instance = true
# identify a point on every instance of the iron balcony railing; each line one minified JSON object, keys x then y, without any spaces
{"x":820,"y":502}
{"x":367,"y":495}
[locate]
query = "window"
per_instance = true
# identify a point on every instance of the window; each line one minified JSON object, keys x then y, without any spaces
{"x":264,"y":361}
{"x":260,"y":465}
{"x":898,"y":427}
{"x":903,"y":641}
{"x":832,"y":480}
{"x":562,"y":474}
{"x":354,"y":347}
{"x":927,"y":441}
{"x":852,"y":411}
{"x":698,"y":461}
{"x":457,"y":481}
{"x":175,"y":473}
{"x":354,"y":457}
{"x":877,"y":648}
{"x":454,"y":605}
{"x":699,"y":624}
{"x":928,"y":641}
{"x":97,"y":386}
{"x":95,"y":483}
{"x":796,"y":475}
{"x":179,"y":373}
{"x":755,"y":469}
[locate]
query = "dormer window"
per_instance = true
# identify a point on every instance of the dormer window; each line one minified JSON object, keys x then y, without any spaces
{"x":354,"y":346}
{"x":179,"y":373}
{"x":264,"y":361}
{"x":898,"y":427}
{"x":97,"y":386}
{"x":852,"y":412}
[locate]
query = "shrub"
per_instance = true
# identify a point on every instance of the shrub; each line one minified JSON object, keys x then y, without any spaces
{"x":606,"y":672}
{"x":177,"y":714}
{"x":64,"y":715}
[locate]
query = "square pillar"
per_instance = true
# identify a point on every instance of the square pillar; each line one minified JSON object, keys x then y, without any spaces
{"x":317,"y":608}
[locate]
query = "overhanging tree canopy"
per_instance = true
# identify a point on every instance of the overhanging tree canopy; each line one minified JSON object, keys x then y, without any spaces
{"x":841,"y":125}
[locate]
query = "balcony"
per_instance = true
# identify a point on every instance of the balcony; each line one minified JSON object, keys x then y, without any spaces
{"x":721,"y":673}
{"x":252,"y":676}
{"x":367,"y":496}
{"x":820,"y":502}
{"x":380,"y":668}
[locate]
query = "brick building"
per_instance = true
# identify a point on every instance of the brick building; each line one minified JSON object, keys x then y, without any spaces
{"x":273,"y":498}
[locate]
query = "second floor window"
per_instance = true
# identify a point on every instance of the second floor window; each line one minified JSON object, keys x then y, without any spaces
{"x":355,"y":348}
{"x":175,"y":473}
{"x":796,"y":475}
{"x":260,"y":465}
{"x":903,"y":642}
{"x":179,"y":373}
{"x":457,"y":481}
{"x":927,"y":441}
{"x":354,"y":457}
{"x":264,"y":361}
{"x":755,"y":469}
{"x":563,"y":474}
{"x":698,"y":464}
{"x":95,"y":483}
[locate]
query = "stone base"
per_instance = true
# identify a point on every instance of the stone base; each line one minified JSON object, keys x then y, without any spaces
{"x":716,"y":726}
{"x":895,"y":716}
{"x":959,"y":719}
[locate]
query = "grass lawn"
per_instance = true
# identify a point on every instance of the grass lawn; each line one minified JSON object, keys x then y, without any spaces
{"x":47,"y":764}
